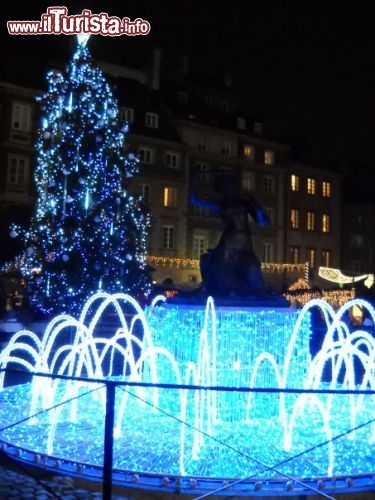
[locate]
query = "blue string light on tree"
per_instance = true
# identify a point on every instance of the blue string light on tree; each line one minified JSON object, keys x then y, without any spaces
{"x":85,"y":224}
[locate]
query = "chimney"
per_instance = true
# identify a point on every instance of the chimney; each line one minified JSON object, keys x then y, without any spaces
{"x":155,"y":69}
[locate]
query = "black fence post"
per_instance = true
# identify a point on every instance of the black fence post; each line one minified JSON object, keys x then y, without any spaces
{"x":108,"y":439}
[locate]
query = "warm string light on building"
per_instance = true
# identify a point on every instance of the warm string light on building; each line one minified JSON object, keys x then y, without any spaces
{"x":181,"y":263}
{"x":87,"y":233}
{"x":299,"y":293}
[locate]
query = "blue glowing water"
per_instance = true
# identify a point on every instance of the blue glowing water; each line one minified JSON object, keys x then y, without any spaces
{"x":222,"y":434}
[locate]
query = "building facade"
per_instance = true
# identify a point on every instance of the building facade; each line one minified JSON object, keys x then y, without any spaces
{"x":18,"y":125}
{"x":313,"y":218}
{"x":188,"y":133}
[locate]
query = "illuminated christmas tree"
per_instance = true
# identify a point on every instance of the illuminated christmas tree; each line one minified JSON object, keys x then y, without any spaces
{"x":87,"y":233}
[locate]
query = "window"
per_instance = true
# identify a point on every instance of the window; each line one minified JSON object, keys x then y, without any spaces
{"x":127,"y":115}
{"x":357,"y":267}
{"x":326,"y":189}
{"x":226,"y":147}
{"x":21,"y":117}
{"x":241,"y":123}
{"x":145,"y":192}
{"x":267,"y":252}
{"x":200,"y":211}
{"x":294,"y":254}
{"x":209,"y":100}
{"x":268,"y":184}
{"x":249,"y":152}
{"x":269,"y":157}
{"x":224,"y":106}
{"x":170,"y":197}
{"x":357,"y":218}
{"x":326,"y":223}
{"x":294,"y":218}
{"x":18,"y":169}
{"x":326,"y":258}
{"x":310,"y":221}
{"x":152,"y":120}
{"x":271,"y":213}
{"x":168,"y":237}
{"x":258,"y":128}
{"x":199,"y":246}
{"x":145,"y":155}
{"x":202,"y":143}
{"x":357,"y":241}
{"x":311,"y":256}
{"x":311,"y":186}
{"x":172,"y":159}
{"x":294,"y":183}
{"x":248,"y":181}
{"x":202,"y":171}
{"x":182,"y":96}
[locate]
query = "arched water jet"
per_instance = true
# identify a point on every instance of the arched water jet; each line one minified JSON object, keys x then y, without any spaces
{"x":206,"y":346}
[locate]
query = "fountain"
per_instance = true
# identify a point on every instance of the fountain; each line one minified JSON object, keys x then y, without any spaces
{"x":207,"y":398}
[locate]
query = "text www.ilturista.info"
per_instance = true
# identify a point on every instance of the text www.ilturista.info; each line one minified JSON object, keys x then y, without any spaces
{"x":57,"y":22}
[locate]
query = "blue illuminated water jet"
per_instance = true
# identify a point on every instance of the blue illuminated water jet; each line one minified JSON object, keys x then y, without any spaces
{"x":207,"y":435}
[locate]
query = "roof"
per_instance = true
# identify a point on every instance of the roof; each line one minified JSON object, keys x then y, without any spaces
{"x":142,"y":99}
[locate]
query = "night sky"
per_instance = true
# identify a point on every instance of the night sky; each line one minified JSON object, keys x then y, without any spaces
{"x":307,"y":68}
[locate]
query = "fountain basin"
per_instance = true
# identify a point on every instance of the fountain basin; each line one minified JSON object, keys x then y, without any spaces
{"x":205,"y":398}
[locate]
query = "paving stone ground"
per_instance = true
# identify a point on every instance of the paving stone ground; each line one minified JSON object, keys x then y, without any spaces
{"x":17,"y":483}
{"x":20,"y":485}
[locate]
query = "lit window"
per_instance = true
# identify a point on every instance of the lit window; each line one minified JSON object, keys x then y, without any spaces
{"x":267,"y":252}
{"x":294,"y":218}
{"x":294,"y":254}
{"x":310,"y":221}
{"x":172,"y":159}
{"x":170,"y":197}
{"x":145,"y":155}
{"x":152,"y":120}
{"x":326,"y":258}
{"x":294,"y":183}
{"x":200,"y":245}
{"x":21,"y":117}
{"x":269,"y":157}
{"x":249,"y":152}
{"x":248,"y":181}
{"x":127,"y":115}
{"x":326,"y":189}
{"x":311,"y":186}
{"x":268,"y":184}
{"x":145,"y":192}
{"x":168,"y":236}
{"x":311,"y":256}
{"x":241,"y":123}
{"x":226,"y":147}
{"x":202,"y":172}
{"x":326,"y":223}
